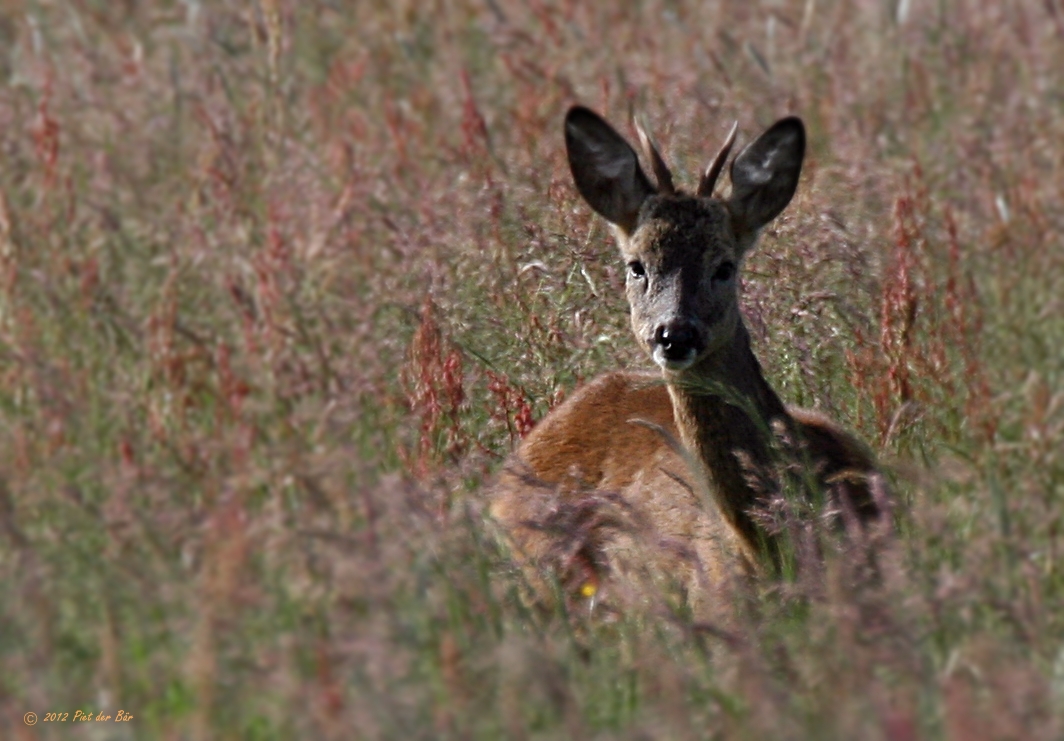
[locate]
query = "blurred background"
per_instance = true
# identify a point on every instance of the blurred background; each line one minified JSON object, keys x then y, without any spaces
{"x":281,"y":283}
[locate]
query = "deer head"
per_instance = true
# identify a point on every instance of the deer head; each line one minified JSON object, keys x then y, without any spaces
{"x":683,"y":251}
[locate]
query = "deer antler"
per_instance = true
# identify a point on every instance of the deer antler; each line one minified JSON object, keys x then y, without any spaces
{"x":709,"y":179}
{"x":661,"y":170}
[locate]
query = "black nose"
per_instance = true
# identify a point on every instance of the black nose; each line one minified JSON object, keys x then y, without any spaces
{"x":678,"y":340}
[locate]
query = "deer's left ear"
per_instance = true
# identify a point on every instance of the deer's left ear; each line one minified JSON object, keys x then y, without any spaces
{"x":765,"y":175}
{"x":605,"y":168}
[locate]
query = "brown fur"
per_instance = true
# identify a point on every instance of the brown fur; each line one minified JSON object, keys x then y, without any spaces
{"x":597,"y":443}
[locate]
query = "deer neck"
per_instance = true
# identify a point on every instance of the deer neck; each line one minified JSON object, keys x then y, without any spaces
{"x":724,"y":411}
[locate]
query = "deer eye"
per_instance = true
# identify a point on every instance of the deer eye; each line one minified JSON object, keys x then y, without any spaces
{"x":724,"y":271}
{"x":636,"y":270}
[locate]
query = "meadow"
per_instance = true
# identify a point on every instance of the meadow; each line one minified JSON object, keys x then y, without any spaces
{"x":282,"y":283}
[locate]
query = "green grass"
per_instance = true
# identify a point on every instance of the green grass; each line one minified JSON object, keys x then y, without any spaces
{"x":280,"y":283}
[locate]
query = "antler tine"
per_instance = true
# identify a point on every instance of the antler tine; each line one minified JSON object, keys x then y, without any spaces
{"x":661,"y":170}
{"x":709,"y":179}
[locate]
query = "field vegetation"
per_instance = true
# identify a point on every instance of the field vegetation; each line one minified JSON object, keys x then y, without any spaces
{"x":281,"y":283}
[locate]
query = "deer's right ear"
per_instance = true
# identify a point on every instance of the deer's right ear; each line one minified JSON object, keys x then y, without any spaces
{"x":605,"y":168}
{"x":765,"y":175}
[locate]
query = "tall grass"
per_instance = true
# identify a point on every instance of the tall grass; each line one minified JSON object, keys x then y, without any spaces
{"x":282,"y":282}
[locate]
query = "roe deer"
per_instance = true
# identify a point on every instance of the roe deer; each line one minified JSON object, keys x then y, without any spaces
{"x":616,"y":437}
